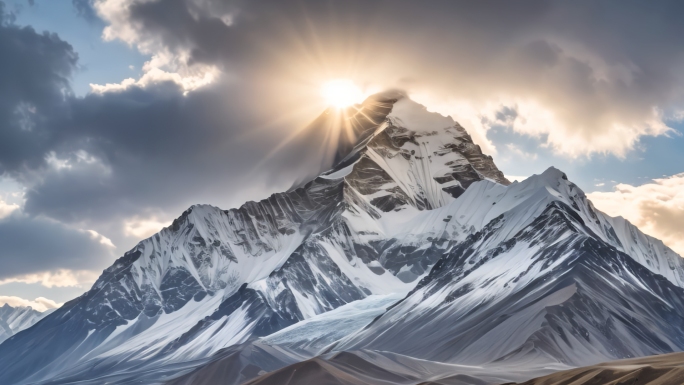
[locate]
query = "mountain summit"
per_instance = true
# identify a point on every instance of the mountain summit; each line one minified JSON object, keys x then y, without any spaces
{"x":413,"y":255}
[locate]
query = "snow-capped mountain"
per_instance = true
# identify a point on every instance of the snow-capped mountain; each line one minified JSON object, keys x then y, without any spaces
{"x":217,"y":278}
{"x":15,"y":319}
{"x":413,"y":245}
{"x":545,"y":278}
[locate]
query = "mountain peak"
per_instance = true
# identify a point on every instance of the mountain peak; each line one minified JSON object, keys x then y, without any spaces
{"x":554,"y":174}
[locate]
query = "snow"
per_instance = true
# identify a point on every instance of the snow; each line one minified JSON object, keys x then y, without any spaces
{"x":315,"y":333}
{"x":416,"y":117}
{"x":338,"y":174}
{"x":360,"y":274}
{"x":165,"y":328}
{"x":15,"y":319}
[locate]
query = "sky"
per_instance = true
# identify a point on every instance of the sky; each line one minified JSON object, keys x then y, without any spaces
{"x":117,"y":115}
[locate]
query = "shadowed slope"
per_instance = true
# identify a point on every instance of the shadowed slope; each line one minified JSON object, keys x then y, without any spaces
{"x":341,"y":369}
{"x":666,"y":369}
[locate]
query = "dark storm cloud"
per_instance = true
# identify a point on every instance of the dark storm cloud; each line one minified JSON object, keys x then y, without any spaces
{"x":150,"y":148}
{"x":200,"y":26}
{"x":34,"y":79}
{"x":33,"y":245}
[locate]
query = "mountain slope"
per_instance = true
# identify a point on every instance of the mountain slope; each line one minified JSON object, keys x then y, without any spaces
{"x":540,"y":282}
{"x":533,"y":278}
{"x":544,"y":283}
{"x":15,"y":319}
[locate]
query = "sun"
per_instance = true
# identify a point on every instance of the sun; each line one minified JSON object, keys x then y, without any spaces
{"x":341,"y":93}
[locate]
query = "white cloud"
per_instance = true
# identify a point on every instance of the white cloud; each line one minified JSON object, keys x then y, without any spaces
{"x":74,"y":159}
{"x":6,"y":209}
{"x":57,"y":278}
{"x":165,"y":64}
{"x":113,"y":87}
{"x":574,"y":137}
{"x":156,"y":75}
{"x":41,"y":303}
{"x":101,"y":238}
{"x":657,"y":208}
{"x":143,"y":227}
{"x":558,"y":128}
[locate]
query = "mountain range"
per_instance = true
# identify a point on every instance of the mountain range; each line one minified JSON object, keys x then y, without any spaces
{"x":16,"y":319}
{"x":412,"y":259}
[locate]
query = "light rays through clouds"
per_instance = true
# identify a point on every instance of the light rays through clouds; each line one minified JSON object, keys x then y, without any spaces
{"x":341,"y":105}
{"x":334,"y":132}
{"x":341,"y":93}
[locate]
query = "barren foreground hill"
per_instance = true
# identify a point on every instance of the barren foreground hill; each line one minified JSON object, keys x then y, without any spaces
{"x":664,"y":369}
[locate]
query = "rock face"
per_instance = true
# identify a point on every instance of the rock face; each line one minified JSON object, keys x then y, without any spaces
{"x":15,"y":319}
{"x":413,"y":244}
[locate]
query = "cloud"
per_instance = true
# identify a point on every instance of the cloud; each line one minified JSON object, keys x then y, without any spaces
{"x":579,"y":90}
{"x":94,"y":235}
{"x":657,"y":208}
{"x":57,"y":278}
{"x":144,"y":227}
{"x":154,"y":76}
{"x":36,"y":247}
{"x":41,"y":303}
{"x":515,"y":149}
{"x":141,"y":150}
{"x":170,"y":61}
{"x":84,"y":9}
{"x":34,"y":80}
{"x":6,"y":209}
